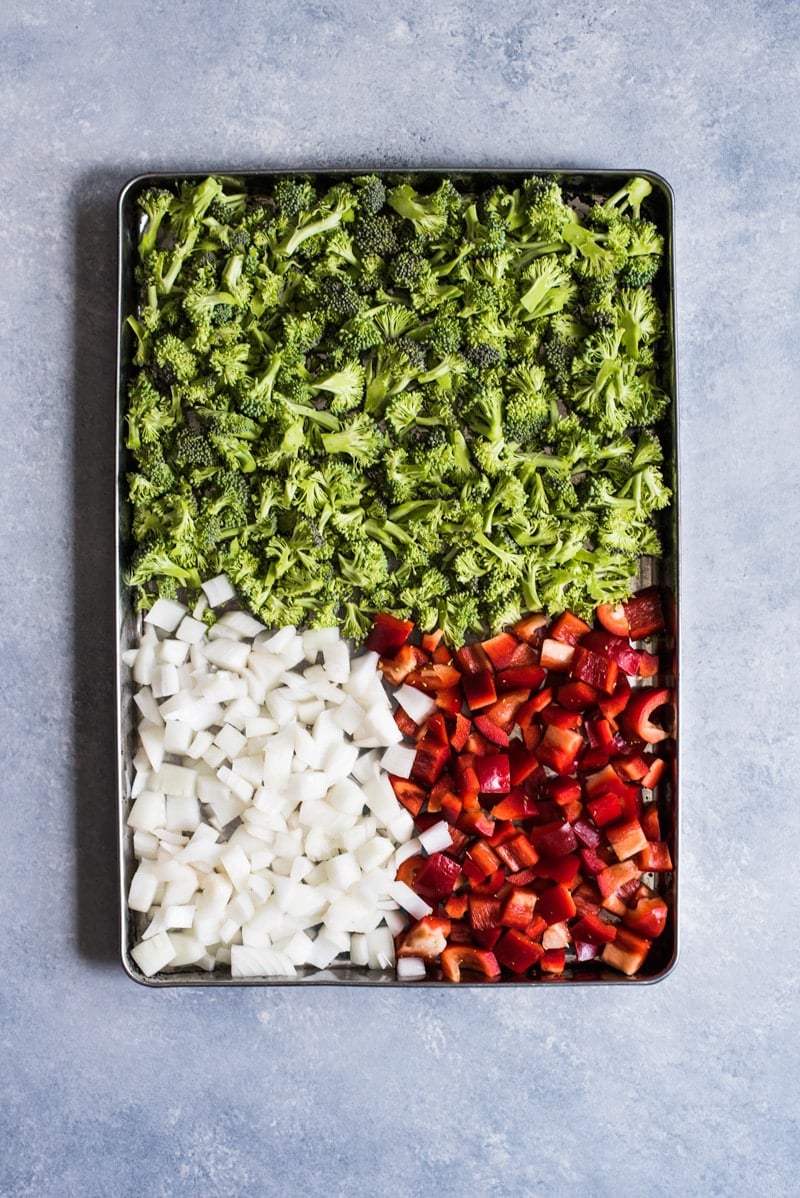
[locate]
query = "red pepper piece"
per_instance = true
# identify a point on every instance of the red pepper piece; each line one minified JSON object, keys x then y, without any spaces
{"x":536,"y":928}
{"x":563,"y":869}
{"x":494,"y":774}
{"x":409,"y":870}
{"x":612,"y":705}
{"x":479,"y":689}
{"x":406,"y":724}
{"x":635,"y":768}
{"x":488,"y":937}
{"x":655,"y":857}
{"x":553,"y":839}
{"x":456,"y":906}
{"x":594,"y":669}
{"x":558,"y":749}
{"x":626,"y":839}
{"x":599,"y":733}
{"x":467,"y":782}
{"x":522,"y":764}
{"x":556,"y":655}
{"x":432,"y":640}
{"x":481,"y":855}
{"x":654,"y":774}
{"x":396,"y":669}
{"x":460,"y":932}
{"x":517,"y":952}
{"x":500,"y":649}
{"x":587,"y":834}
{"x":458,"y":957}
{"x":460,"y":734}
{"x":493,"y":885}
{"x":503,"y":712}
{"x":648,"y":915}
{"x":651,"y":823}
{"x":612,"y":617}
{"x":475,"y":822}
{"x":576,"y":696}
{"x":518,"y":678}
{"x":606,"y":808}
{"x":476,"y":745}
{"x":484,"y":912}
{"x":441,"y":786}
{"x":515,"y":805}
{"x":606,"y":779}
{"x":553,"y":714}
{"x":555,"y":904}
{"x":432,"y":678}
{"x":614,"y":876}
{"x":518,"y":909}
{"x":645,"y":614}
{"x":627,"y":952}
{"x":591,"y":929}
{"x":504,"y":830}
{"x":553,"y":960}
{"x":427,"y":938}
{"x":587,"y":898}
{"x":530,"y":629}
{"x":449,"y":701}
{"x":648,"y":664}
{"x":635,"y":719}
{"x":408,"y":794}
{"x":442,"y":655}
{"x":491,"y":731}
{"x":388,"y":634}
{"x":471,"y":659}
{"x":430,"y":760}
{"x":562,"y":791}
{"x":459,"y":839}
{"x":522,"y":877}
{"x":437,"y":879}
{"x":592,"y":860}
{"x":568,"y":628}
{"x":436,"y":729}
{"x":525,"y":853}
{"x":616,"y":648}
{"x":524,"y":655}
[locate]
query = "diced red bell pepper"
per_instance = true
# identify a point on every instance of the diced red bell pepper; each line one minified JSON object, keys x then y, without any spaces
{"x":591,"y":929}
{"x":518,"y":909}
{"x":516,"y":678}
{"x":592,"y":860}
{"x":530,"y":628}
{"x":612,"y":705}
{"x":558,"y":749}
{"x":409,"y":870}
{"x":553,"y":839}
{"x":478,"y":689}
{"x":555,"y":904}
{"x":388,"y":634}
{"x":457,"y":905}
{"x":594,"y":759}
{"x":504,"y":829}
{"x":525,"y":853}
{"x":494,"y":774}
{"x":599,"y":732}
{"x":460,"y":931}
{"x":427,"y":938}
{"x":515,"y":805}
{"x":458,"y":957}
{"x":536,"y":928}
{"x":647,"y":916}
{"x":635,"y":719}
{"x":430,"y":760}
{"x":524,"y":655}
{"x":451,"y":808}
{"x":654,"y":775}
{"x":568,"y":628}
{"x":396,"y":669}
{"x":442,"y":655}
{"x":406,"y":724}
{"x":606,"y":808}
{"x":471,"y":659}
{"x":491,"y":731}
{"x":438,"y":876}
{"x":645,"y":613}
{"x":475,"y":822}
{"x":563,"y":869}
{"x":626,"y":839}
{"x":460,"y":733}
{"x":449,"y":701}
{"x":556,"y":655}
{"x":627,"y":952}
{"x":633,"y":767}
{"x":467,"y":782}
{"x":487,"y":937}
{"x":494,"y":884}
{"x":648,"y":664}
{"x":436,"y":729}
{"x":522,"y":764}
{"x":651,"y":823}
{"x":408,"y":794}
{"x":482,"y":857}
{"x":504,"y":710}
{"x":432,"y":640}
{"x":553,"y":714}
{"x":522,"y":877}
{"x":587,"y":833}
{"x":612,"y":617}
{"x":587,"y":898}
{"x":606,"y":779}
{"x":615,"y":876}
{"x":655,"y":857}
{"x":617,"y":902}
{"x":484,"y":911}
{"x":576,"y":696}
{"x":617,"y":648}
{"x":553,"y":961}
{"x":562,"y":790}
{"x":500,"y":649}
{"x":594,"y":669}
{"x":432,"y":678}
{"x":476,"y":744}
{"x":517,"y":952}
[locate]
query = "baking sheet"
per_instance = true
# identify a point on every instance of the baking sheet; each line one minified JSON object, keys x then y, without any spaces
{"x":664,"y":571}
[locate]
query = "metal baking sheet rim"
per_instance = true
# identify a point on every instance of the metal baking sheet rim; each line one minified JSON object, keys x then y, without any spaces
{"x":667,"y":571}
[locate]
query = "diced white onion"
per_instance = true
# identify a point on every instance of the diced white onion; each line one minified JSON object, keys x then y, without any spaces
{"x":410,"y":969}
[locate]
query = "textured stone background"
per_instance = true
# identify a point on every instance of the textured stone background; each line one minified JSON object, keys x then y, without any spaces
{"x":685,"y":1088}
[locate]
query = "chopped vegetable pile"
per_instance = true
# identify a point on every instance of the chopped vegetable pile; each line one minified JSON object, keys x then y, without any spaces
{"x":534,"y":748}
{"x":434,"y":399}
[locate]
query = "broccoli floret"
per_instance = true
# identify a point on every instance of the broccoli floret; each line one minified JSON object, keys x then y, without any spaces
{"x":375,"y":235}
{"x":346,"y":385}
{"x":155,"y":202}
{"x":371,"y":193}
{"x":174,"y":359}
{"x":338,"y":298}
{"x":359,"y":438}
{"x":293,"y":197}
